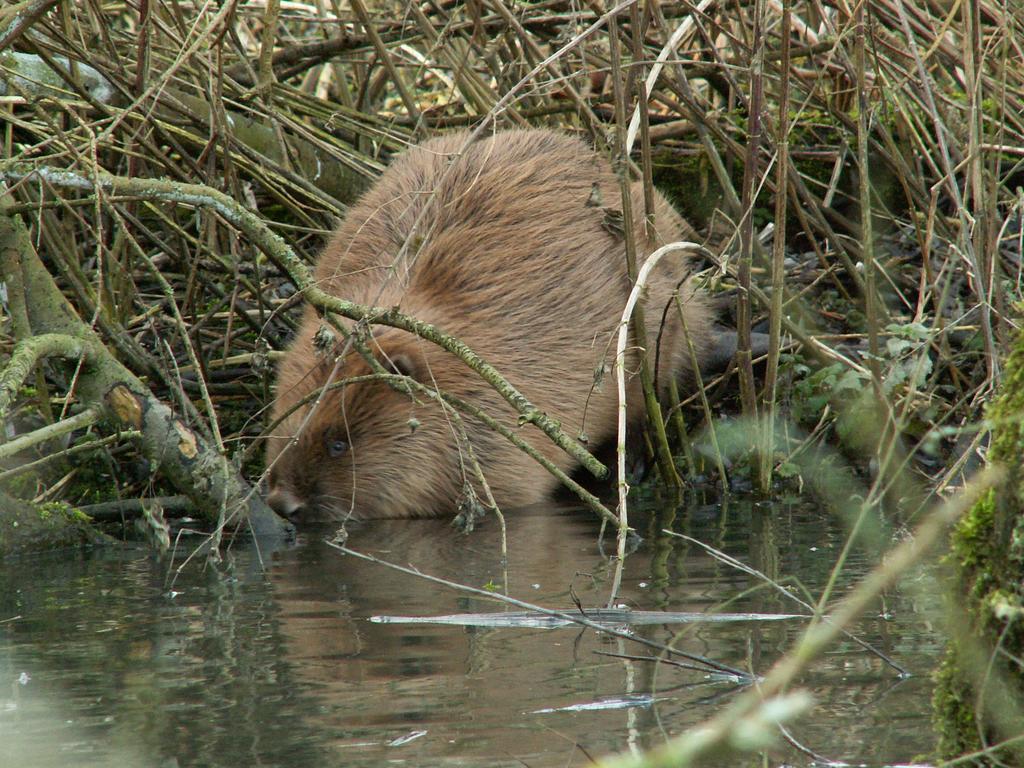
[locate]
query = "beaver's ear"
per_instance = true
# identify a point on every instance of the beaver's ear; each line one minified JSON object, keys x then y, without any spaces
{"x":392,"y":349}
{"x":400,"y":363}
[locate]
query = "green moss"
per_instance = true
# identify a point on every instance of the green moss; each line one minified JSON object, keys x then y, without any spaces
{"x":47,"y":510}
{"x":1005,"y":415}
{"x":979,"y":692}
{"x":59,"y":510}
{"x":971,"y":540}
{"x":957,"y":730}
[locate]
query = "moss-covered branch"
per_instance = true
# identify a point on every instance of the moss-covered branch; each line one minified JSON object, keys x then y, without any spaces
{"x":17,"y":18}
{"x":27,"y":355}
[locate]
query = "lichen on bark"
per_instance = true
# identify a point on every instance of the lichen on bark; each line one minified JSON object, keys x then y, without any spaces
{"x":979,"y":699}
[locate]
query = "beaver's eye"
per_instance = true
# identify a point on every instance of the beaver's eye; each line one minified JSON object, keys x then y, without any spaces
{"x":336,"y":448}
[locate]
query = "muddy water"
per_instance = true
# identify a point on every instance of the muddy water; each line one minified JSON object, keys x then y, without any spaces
{"x":112,"y":658}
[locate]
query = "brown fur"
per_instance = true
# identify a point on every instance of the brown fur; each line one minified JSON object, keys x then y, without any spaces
{"x":515,"y":259}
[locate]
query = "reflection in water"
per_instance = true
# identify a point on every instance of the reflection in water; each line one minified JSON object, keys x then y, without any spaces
{"x":233,"y":666}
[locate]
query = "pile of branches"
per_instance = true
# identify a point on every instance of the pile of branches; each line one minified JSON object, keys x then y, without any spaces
{"x":856,"y":166}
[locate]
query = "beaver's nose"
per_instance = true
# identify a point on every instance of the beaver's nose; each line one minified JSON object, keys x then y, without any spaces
{"x":285,"y":503}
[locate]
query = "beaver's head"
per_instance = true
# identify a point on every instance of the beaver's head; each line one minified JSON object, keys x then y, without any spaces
{"x":350,"y":444}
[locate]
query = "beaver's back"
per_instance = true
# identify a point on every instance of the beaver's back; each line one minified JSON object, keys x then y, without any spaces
{"x":518,"y":228}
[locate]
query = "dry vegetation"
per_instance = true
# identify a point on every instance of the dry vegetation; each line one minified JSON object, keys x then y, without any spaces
{"x":856,"y":168}
{"x":856,"y":165}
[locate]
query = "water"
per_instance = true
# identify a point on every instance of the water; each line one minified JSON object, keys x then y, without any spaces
{"x":111,"y":658}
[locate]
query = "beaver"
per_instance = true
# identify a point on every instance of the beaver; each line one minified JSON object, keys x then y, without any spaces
{"x":510,"y":244}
